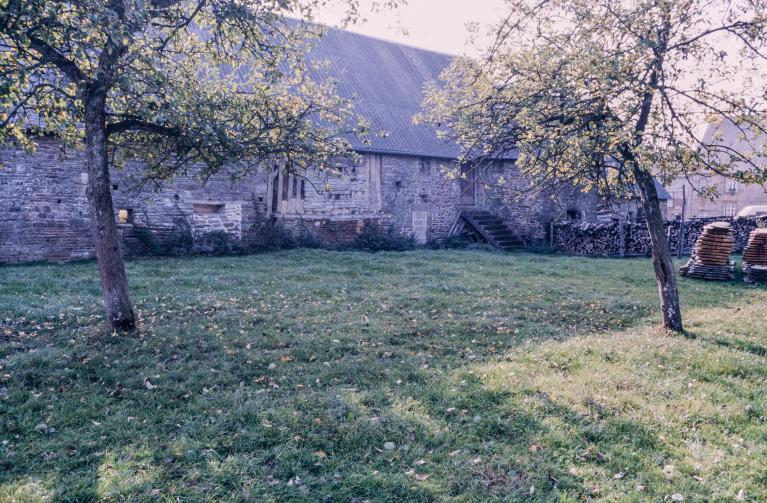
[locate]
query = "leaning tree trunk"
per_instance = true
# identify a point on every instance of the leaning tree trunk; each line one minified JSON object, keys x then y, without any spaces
{"x":661,"y":251}
{"x":114,"y":281}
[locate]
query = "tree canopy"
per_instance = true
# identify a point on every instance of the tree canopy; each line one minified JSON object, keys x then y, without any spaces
{"x":571,"y":84}
{"x":216,"y":82}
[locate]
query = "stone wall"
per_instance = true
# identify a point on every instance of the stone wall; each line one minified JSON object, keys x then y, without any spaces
{"x":412,"y":186}
{"x":46,"y":215}
{"x":604,"y":239}
{"x":42,"y":202}
{"x":504,"y":193}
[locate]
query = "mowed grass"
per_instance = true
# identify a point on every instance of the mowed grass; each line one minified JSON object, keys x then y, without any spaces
{"x":420,"y":376}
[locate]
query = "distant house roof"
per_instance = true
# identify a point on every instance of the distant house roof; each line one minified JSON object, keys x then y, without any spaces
{"x":744,"y":139}
{"x":387,"y":82}
{"x":725,"y":132}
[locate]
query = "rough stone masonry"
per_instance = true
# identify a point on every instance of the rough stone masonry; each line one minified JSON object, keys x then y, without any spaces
{"x":46,"y":215}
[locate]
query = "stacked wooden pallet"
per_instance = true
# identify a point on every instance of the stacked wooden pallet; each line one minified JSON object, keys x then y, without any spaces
{"x":711,"y":254}
{"x":755,"y":257}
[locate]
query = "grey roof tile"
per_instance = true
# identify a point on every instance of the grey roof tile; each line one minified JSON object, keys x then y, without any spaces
{"x":386,"y":80}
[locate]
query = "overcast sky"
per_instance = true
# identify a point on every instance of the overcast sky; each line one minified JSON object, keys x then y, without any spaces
{"x":437,"y":25}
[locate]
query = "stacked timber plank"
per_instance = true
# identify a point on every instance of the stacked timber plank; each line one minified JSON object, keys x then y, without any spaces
{"x":755,"y":257}
{"x":711,"y":254}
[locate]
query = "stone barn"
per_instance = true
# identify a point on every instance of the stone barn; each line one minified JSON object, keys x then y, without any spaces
{"x":398,"y":182}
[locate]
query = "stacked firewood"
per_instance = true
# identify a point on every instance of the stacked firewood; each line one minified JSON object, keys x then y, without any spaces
{"x":755,"y":257}
{"x":711,"y":254}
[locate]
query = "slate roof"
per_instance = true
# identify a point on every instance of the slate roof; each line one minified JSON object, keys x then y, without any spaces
{"x":724,"y":132}
{"x":387,"y":81}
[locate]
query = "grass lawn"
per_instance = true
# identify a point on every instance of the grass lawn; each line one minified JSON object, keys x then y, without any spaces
{"x":419,"y":376}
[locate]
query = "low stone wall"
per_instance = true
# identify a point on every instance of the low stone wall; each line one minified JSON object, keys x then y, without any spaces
{"x":604,"y":239}
{"x":330,"y":232}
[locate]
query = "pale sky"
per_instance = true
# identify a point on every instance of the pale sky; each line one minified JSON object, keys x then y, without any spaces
{"x":437,"y":25}
{"x":441,"y":25}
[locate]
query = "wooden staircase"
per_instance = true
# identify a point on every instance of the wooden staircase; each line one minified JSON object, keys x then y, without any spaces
{"x":490,"y":228}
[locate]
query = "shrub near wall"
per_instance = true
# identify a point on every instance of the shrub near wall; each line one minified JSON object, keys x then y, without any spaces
{"x":375,"y":238}
{"x":604,"y":239}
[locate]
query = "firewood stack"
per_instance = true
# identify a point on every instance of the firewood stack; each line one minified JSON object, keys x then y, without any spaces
{"x":755,"y":257}
{"x":711,"y":254}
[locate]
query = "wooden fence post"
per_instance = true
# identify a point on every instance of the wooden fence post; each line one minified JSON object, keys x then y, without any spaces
{"x":551,"y":234}
{"x":681,"y":238}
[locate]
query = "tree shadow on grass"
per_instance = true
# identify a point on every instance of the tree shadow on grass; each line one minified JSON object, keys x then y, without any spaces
{"x":257,"y":443}
{"x":355,"y":367}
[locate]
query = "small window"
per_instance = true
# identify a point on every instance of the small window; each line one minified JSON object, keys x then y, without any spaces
{"x":704,"y":186}
{"x":670,"y":200}
{"x":732,"y":185}
{"x":424,"y":166}
{"x":729,"y":210}
{"x":206,"y":208}
{"x":573,"y":215}
{"x":124,"y":216}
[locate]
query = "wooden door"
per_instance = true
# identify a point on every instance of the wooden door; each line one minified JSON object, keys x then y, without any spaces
{"x":468,"y":187}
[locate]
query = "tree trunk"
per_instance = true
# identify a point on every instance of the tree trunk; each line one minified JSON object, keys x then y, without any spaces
{"x":661,"y":251}
{"x":114,"y":281}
